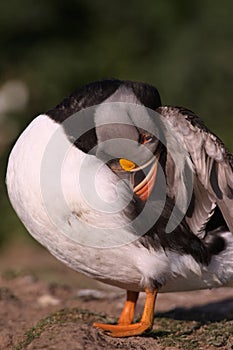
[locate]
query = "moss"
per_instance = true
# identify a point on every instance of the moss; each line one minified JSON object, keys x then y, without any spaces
{"x":167,"y":332}
{"x":62,"y":316}
{"x":194,"y":335}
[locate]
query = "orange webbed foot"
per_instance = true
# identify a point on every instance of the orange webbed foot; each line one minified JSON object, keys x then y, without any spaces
{"x":125,"y":328}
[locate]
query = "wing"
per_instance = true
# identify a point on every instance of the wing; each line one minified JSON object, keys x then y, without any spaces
{"x":211,"y":163}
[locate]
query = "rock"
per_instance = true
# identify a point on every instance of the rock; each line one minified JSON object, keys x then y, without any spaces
{"x":47,"y":299}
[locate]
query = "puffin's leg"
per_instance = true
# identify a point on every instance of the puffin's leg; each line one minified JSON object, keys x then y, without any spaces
{"x":127,"y":314}
{"x":146,"y":323}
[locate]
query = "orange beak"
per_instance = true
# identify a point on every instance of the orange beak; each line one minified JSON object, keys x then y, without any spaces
{"x":145,"y":187}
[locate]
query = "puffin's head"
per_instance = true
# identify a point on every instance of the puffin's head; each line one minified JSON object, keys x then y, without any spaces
{"x":123,"y":132}
{"x":128,"y":140}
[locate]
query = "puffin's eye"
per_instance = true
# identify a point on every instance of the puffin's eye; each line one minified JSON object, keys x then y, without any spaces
{"x":145,"y":138}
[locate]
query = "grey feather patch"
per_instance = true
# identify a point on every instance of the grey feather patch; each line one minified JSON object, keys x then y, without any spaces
{"x":229,"y":192}
{"x":214,"y":181}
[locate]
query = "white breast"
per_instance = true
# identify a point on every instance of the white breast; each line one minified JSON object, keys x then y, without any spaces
{"x":81,"y":224}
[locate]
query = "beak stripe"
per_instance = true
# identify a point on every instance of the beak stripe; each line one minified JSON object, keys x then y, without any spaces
{"x":144,"y":188}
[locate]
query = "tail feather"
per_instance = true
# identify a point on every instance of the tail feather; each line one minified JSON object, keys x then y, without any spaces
{"x":220,"y":246}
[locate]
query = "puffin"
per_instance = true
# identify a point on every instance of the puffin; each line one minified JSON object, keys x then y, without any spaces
{"x":129,"y":192}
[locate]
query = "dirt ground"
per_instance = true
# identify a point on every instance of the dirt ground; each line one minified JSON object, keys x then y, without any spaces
{"x":44,"y":305}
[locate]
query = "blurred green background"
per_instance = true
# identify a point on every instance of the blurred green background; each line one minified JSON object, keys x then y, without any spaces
{"x":50,"y":48}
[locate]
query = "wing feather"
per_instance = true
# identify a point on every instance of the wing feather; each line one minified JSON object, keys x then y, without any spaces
{"x":212,"y":167}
